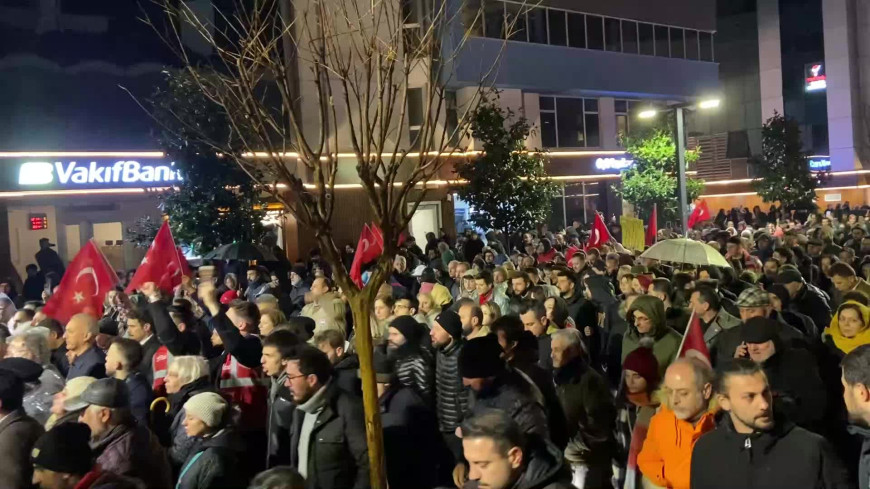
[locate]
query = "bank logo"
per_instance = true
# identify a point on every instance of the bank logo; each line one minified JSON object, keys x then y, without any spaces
{"x":35,"y":173}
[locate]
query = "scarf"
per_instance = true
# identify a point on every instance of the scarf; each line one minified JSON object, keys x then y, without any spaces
{"x":846,"y":345}
{"x":639,"y":399}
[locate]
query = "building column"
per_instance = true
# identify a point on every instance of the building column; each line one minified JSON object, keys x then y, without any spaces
{"x":607,"y":132}
{"x":769,"y":58}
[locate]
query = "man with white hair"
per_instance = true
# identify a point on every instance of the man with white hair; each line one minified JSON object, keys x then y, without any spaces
{"x":666,"y":455}
{"x":85,"y":358}
{"x":38,"y":395}
{"x":589,"y":410}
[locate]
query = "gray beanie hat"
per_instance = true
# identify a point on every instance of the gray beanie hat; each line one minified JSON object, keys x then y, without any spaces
{"x":209,"y":407}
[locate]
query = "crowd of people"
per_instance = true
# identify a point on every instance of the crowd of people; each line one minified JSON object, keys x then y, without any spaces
{"x":502,"y":362}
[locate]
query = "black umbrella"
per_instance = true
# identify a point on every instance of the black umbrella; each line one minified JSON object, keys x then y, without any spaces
{"x":241,"y":251}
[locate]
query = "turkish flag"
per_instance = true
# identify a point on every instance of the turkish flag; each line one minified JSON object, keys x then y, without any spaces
{"x":368,"y":249}
{"x":652,"y":229}
{"x":700,"y":214}
{"x":599,"y":234}
{"x":84,"y":286}
{"x":380,"y":236}
{"x":163,"y":263}
{"x":569,"y":253}
{"x":693,"y":345}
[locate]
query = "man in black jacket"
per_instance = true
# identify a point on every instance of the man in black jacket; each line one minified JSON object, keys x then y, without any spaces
{"x":856,"y":395}
{"x":176,"y":330}
{"x":413,"y":363}
{"x":140,"y":327}
{"x":805,"y":299}
{"x":451,"y":397}
{"x":328,"y":436}
{"x":755,"y":448}
{"x":534,"y":317}
{"x":277,"y":348}
{"x":345,"y":364}
{"x":572,"y":291}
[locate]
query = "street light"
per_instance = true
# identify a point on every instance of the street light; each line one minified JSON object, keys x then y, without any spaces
{"x":704,"y":104}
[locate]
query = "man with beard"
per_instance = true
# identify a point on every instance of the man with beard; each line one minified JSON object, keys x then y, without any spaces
{"x":754,"y":446}
{"x":519,"y":285}
{"x":566,"y":281}
{"x":414,"y":367}
{"x":856,"y":395}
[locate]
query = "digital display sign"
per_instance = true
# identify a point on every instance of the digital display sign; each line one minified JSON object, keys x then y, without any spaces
{"x":814,"y":77}
{"x":38,"y":222}
{"x":37,"y":172}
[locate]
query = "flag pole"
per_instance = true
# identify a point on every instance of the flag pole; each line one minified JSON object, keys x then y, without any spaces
{"x":686,"y":333}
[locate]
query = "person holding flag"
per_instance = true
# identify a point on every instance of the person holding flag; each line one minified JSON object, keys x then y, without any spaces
{"x":700,"y":214}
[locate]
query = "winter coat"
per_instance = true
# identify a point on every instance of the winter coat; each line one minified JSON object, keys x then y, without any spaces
{"x":416,"y":455}
{"x":328,"y":312}
{"x":281,"y":409}
{"x":864,"y":461}
{"x":149,"y":348}
{"x":811,"y":302}
{"x":214,"y":464}
{"x":666,"y":341}
{"x":723,"y":350}
{"x":133,"y":451}
{"x":178,"y":343}
{"x":451,"y":397}
{"x":786,"y":456}
{"x":337,"y":451}
{"x":297,"y":297}
{"x":590,"y":415}
{"x":575,"y":302}
{"x":100,"y":479}
{"x":346,"y":374}
{"x":543,"y":380}
{"x":91,"y":363}
{"x":665,"y":458}
{"x":415,"y":369}
{"x":38,"y":396}
{"x":140,"y":396}
{"x":545,"y":469}
{"x":18,"y":434}
{"x":175,"y":438}
{"x":796,"y":385}
{"x":714,"y":329}
{"x":516,"y":395}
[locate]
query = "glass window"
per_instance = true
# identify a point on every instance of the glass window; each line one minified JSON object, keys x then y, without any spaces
{"x":594,"y":32}
{"x":706,"y":42}
{"x":548,"y":130}
{"x":451,"y":113}
{"x":470,"y":20}
{"x":415,"y":115}
{"x":590,"y":104}
{"x":646,"y":39}
{"x":677,"y":49}
{"x":515,"y":18}
{"x":662,"y":43}
{"x":556,"y":24}
{"x":569,"y":119}
{"x":612,"y":39}
{"x":629,"y":37}
{"x":621,"y":125}
{"x":620,"y":106}
{"x":547,"y":103}
{"x":576,"y":30}
{"x":592,"y":130}
{"x":493,"y":19}
{"x":537,"y":18}
{"x":691,"y":44}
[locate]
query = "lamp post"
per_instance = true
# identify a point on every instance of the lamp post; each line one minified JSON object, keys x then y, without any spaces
{"x":680,"y":143}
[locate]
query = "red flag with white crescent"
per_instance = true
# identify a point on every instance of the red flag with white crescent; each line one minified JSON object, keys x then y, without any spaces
{"x":163,"y":263}
{"x":83,"y":287}
{"x":368,"y":249}
{"x":599,"y":233}
{"x":693,"y":345}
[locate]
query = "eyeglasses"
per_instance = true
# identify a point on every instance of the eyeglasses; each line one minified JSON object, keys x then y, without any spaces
{"x":296,"y":376}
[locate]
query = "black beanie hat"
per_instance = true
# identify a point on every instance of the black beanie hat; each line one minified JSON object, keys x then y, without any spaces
{"x":410,"y":329}
{"x":481,"y":358}
{"x":25,"y":369}
{"x":65,"y":449}
{"x":760,"y":330}
{"x":451,"y":323}
{"x":780,"y":291}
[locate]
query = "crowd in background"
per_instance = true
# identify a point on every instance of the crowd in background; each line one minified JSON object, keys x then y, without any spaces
{"x":502,"y":361}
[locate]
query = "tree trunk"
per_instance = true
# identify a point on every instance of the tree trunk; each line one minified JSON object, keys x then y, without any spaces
{"x":361,"y":307}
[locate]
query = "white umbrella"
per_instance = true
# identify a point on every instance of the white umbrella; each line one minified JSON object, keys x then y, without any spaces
{"x":682,"y":250}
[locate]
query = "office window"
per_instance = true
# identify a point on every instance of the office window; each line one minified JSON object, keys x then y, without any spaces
{"x":415,"y":115}
{"x":594,"y":32}
{"x":451,"y":116}
{"x":677,"y":49}
{"x":576,"y":30}
{"x":537,"y":20}
{"x":515,"y":18}
{"x":629,"y":37}
{"x":471,"y":17}
{"x":706,"y":46}
{"x":646,"y":40}
{"x":612,"y":37}
{"x":493,"y":19}
{"x":557,"y":29}
{"x":569,"y":122}
{"x":691,"y":44}
{"x":623,"y":121}
{"x":662,"y":41}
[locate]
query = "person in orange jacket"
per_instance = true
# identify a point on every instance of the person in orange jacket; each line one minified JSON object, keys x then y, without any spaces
{"x":665,"y":458}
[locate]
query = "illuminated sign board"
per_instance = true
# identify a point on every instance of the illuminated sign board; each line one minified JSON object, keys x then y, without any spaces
{"x":820,"y":163}
{"x":606,"y":164}
{"x":814,"y":77}
{"x":72,"y":173}
{"x":38,"y":222}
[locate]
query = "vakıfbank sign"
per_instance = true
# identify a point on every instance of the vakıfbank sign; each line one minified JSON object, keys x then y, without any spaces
{"x":62,"y":173}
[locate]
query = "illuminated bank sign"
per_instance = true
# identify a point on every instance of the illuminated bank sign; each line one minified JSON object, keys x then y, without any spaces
{"x":820,"y":163}
{"x":97,"y":173}
{"x":814,"y":77}
{"x":609,"y":164}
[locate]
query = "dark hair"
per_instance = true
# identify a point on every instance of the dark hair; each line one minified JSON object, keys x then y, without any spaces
{"x":53,"y":326}
{"x":712,"y":271}
{"x":12,"y":395}
{"x":560,"y":311}
{"x":387,"y":300}
{"x":708,"y":296}
{"x":786,"y":253}
{"x":280,"y":477}
{"x":312,"y":362}
{"x":774,"y":260}
{"x":843,"y":270}
{"x":283,"y":340}
{"x":142,"y":315}
{"x":856,"y":296}
{"x":567,"y":273}
{"x":735,"y":240}
{"x":485,"y":275}
{"x":662,"y":285}
{"x":332,"y":337}
{"x":131,"y":350}
{"x":533,"y":306}
{"x":512,"y":326}
{"x":496,"y":425}
{"x":27,"y":312}
{"x":247,"y":311}
{"x":31,"y":266}
{"x":856,"y":366}
{"x":735,"y":367}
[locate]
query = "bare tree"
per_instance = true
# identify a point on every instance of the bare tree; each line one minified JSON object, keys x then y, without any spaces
{"x":311,"y":85}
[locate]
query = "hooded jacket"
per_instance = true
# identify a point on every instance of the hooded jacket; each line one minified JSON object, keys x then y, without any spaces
{"x":786,"y":456}
{"x":546,"y":469}
{"x":666,"y":341}
{"x":214,"y":464}
{"x":796,"y":385}
{"x":666,"y":456}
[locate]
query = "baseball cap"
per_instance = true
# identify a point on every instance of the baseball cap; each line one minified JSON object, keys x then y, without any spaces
{"x":109,"y":393}
{"x":46,"y":241}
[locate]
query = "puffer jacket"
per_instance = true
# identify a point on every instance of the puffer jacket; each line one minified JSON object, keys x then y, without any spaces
{"x":133,"y":451}
{"x":666,"y":456}
{"x":451,"y":397}
{"x":214,"y":464}
{"x":666,"y":341}
{"x":414,"y":370}
{"x":516,"y":395}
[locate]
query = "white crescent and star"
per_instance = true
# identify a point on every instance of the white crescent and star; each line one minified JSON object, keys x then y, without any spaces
{"x":85,"y":271}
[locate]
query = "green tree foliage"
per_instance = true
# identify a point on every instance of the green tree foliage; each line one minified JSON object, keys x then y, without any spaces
{"x":783,"y":169}
{"x":507,"y":187}
{"x":217,"y":202}
{"x":653,"y":178}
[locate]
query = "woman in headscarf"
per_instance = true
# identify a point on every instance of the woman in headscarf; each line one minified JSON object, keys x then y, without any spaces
{"x":848,"y":329}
